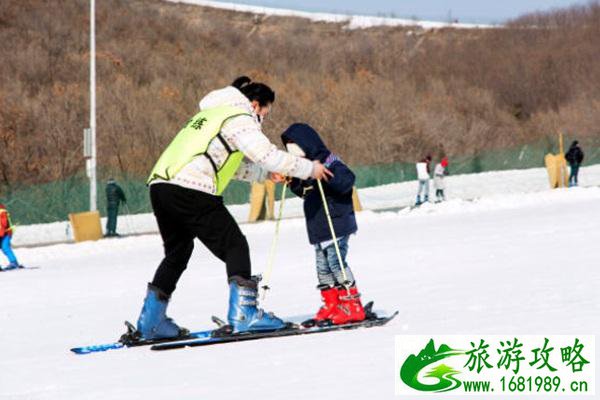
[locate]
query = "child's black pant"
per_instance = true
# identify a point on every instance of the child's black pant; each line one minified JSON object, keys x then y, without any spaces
{"x":184,"y":214}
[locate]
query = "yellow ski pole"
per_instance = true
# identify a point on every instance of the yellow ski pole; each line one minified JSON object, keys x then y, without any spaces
{"x":333,"y":235}
{"x":271,"y":258}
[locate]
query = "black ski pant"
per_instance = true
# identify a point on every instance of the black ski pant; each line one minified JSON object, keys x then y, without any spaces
{"x":112,"y":211}
{"x":184,"y":214}
{"x":574,"y":173}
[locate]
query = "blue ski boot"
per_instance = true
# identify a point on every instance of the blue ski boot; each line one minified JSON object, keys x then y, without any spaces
{"x":12,"y":266}
{"x":243,"y":315}
{"x":153,"y":323}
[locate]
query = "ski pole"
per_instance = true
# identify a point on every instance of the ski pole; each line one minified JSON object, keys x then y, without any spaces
{"x":333,"y":236}
{"x":127,"y":219}
{"x":271,"y":258}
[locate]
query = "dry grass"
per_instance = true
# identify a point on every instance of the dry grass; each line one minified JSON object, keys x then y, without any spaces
{"x":377,"y":95}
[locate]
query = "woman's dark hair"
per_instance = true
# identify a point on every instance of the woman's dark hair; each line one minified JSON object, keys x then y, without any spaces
{"x":255,"y":90}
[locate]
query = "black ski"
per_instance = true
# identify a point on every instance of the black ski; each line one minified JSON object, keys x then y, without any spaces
{"x":220,"y":336}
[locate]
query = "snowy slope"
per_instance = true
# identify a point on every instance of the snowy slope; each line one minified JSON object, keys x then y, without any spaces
{"x":465,"y":187}
{"x":508,"y":263}
{"x":350,"y":21}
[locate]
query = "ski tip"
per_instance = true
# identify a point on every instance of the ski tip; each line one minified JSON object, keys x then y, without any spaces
{"x":96,"y":348}
{"x":81,"y":350}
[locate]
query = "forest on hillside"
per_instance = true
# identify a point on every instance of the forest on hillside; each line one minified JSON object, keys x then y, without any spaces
{"x":377,"y":95}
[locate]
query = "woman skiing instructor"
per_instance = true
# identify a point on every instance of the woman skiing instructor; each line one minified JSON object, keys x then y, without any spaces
{"x":223,"y":141}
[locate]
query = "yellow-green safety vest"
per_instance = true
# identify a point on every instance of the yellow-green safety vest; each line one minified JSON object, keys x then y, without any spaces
{"x":193,"y":141}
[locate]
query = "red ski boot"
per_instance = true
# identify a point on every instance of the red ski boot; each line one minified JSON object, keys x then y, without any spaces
{"x":349,"y":309}
{"x":329,"y":295}
{"x":330,"y":298}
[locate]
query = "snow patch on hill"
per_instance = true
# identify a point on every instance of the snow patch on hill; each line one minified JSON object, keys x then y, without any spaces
{"x":350,"y":21}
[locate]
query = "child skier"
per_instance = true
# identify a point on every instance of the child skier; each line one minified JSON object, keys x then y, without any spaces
{"x":440,"y":171}
{"x":6,"y":230}
{"x":340,"y":295}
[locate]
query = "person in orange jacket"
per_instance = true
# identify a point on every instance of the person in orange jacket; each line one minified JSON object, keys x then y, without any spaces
{"x":6,"y":231}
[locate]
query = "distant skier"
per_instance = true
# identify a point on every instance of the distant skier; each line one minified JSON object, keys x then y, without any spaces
{"x":423,"y":171}
{"x":574,"y":157}
{"x":439,"y":173}
{"x":223,"y":141}
{"x":6,"y":231}
{"x":341,"y":304}
{"x":114,"y":197}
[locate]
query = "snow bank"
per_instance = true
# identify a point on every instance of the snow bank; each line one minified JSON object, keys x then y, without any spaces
{"x":350,"y":21}
{"x":462,"y":190}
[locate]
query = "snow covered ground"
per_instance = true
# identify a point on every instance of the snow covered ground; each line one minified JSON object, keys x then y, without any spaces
{"x":350,"y":21}
{"x":465,"y":187}
{"x":513,"y":261}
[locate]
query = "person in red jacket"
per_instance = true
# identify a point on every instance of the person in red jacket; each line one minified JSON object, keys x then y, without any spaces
{"x":6,"y":231}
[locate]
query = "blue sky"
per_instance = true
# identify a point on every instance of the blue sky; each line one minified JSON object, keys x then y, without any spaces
{"x":481,"y":11}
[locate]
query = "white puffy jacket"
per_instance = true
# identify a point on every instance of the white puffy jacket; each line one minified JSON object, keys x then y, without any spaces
{"x":242,"y":133}
{"x":422,"y":172}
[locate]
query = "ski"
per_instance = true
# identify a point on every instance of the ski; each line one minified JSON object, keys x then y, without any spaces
{"x":223,"y":335}
{"x":21,"y":268}
{"x":293,"y":331}
{"x":128,"y":340}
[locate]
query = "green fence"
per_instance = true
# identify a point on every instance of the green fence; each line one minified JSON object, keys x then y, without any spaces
{"x":52,"y":202}
{"x":522,"y":157}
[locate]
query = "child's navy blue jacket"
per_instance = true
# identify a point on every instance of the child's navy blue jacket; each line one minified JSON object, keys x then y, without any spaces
{"x":338,"y":191}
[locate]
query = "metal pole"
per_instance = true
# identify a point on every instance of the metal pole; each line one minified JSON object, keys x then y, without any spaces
{"x":271,"y":258}
{"x":93,"y":189}
{"x":334,"y":236}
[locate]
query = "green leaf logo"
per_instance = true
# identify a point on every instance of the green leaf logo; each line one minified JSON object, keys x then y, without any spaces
{"x":413,"y":365}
